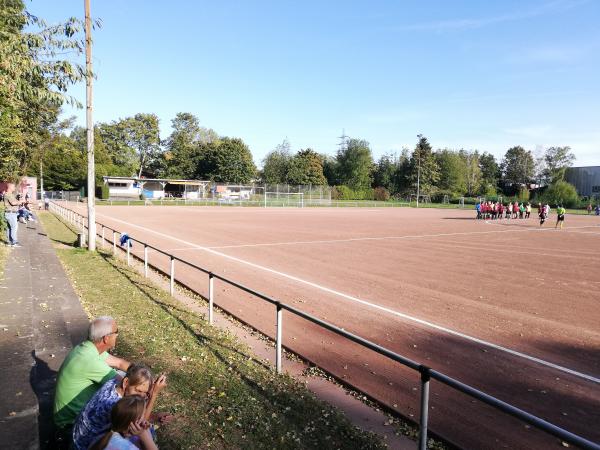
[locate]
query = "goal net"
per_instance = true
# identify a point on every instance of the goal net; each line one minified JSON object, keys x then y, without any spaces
{"x":422,"y":198}
{"x":291,"y":199}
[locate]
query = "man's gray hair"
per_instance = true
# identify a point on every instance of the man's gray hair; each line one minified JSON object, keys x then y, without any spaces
{"x":100,"y":327}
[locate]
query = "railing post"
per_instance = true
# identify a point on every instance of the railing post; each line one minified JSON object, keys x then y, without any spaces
{"x":172,"y":290}
{"x":278,"y":339}
{"x":128,"y":245}
{"x":103,"y":243}
{"x":114,"y":242}
{"x":145,"y":261}
{"x":211,"y":298}
{"x":424,"y":407}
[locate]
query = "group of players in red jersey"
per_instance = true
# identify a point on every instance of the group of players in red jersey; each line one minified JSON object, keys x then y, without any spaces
{"x":489,"y":210}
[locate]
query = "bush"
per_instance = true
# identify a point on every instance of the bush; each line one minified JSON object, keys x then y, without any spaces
{"x":490,"y":191}
{"x":345,"y":193}
{"x":381,"y":194}
{"x":102,"y":192}
{"x":523,"y":194}
{"x":562,"y":193}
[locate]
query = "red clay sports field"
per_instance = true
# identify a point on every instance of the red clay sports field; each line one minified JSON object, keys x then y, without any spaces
{"x":507,"y":307}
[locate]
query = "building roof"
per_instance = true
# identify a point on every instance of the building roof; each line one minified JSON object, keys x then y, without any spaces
{"x":160,"y":180}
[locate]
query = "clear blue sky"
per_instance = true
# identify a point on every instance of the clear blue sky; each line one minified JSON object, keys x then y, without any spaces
{"x":467,"y":74}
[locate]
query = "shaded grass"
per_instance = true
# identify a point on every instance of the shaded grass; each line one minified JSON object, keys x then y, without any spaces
{"x":222,"y":395}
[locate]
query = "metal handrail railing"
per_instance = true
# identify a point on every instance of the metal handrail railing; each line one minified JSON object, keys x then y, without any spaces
{"x":426,"y":372}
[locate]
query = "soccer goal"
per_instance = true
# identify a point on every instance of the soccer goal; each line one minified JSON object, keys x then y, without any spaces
{"x":422,"y":198}
{"x":461,"y":202}
{"x":284,"y":199}
{"x":446,"y":200}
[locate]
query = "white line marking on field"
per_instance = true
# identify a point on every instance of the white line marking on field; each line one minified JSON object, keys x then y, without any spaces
{"x":372,"y":305}
{"x":381,"y":238}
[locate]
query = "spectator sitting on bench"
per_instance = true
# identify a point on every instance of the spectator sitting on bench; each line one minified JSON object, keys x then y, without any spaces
{"x":85,"y":369}
{"x":94,"y":420}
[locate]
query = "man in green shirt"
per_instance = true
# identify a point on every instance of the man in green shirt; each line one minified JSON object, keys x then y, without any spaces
{"x":85,"y":369}
{"x":561,"y":216}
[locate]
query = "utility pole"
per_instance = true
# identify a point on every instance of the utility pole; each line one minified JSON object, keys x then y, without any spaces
{"x":418,"y":168}
{"x":91,"y":175}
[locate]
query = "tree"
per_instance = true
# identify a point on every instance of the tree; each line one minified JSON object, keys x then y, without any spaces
{"x":557,"y":160}
{"x":517,"y":166}
{"x":226,"y":160}
{"x":385,"y":172}
{"x":276,"y":164}
{"x":33,"y":81}
{"x":134,"y":142}
{"x":182,"y":146}
{"x":121,"y":155}
{"x":330,"y":170}
{"x":390,"y":172}
{"x":141,"y":133}
{"x":490,"y":173}
{"x":423,"y":163}
{"x":453,"y":172}
{"x":65,"y":165}
{"x":355,"y":164}
{"x":105,"y":166}
{"x":473,"y":172}
{"x":306,"y":167}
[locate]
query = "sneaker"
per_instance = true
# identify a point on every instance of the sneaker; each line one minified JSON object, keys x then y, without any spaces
{"x":16,"y":244}
{"x":21,"y":219}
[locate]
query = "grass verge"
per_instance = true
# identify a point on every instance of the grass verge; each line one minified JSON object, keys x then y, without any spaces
{"x":222,"y":395}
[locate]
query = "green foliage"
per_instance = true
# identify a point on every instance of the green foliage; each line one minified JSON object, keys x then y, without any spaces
{"x":182,"y":146}
{"x":343,"y":192}
{"x":490,"y":172}
{"x":561,"y":193}
{"x":137,"y":135}
{"x":330,"y":170}
{"x":557,"y":160}
{"x":33,"y":81}
{"x":355,"y":164}
{"x":276,"y":164}
{"x":226,"y":160}
{"x":423,"y":167}
{"x":65,"y":166}
{"x":390,"y":172}
{"x":490,"y":191}
{"x":381,"y":194}
{"x":453,"y":172}
{"x":518,"y":166}
{"x":306,"y":167}
{"x":102,"y":191}
{"x":523,"y":194}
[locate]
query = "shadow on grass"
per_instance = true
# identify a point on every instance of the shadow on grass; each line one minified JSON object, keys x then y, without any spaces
{"x":301,"y":409}
{"x":202,"y":339}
